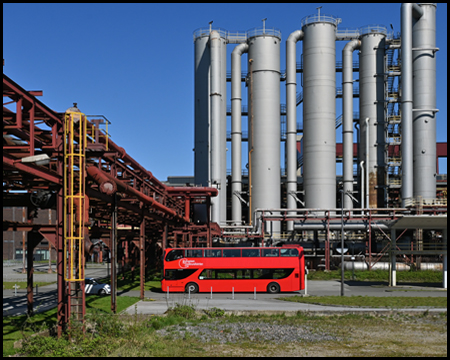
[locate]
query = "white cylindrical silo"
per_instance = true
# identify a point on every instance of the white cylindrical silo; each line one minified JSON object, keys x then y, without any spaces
{"x":424,"y":103}
{"x":201,"y":108}
{"x":264,"y":120}
{"x":319,"y":111}
{"x":371,"y":105}
{"x":210,"y":116}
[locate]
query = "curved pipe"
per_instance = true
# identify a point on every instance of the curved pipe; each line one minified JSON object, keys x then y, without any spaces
{"x":101,"y":178}
{"x":291,"y":120}
{"x":236,"y":132}
{"x":347,"y":121}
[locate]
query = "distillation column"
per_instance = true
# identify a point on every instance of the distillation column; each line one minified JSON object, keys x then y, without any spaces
{"x":371,"y":105}
{"x":424,"y":103}
{"x":319,"y":111}
{"x":264,"y":122}
{"x":210,"y":117}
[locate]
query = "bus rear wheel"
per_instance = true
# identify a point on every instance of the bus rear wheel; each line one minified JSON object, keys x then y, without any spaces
{"x":191,"y":287}
{"x":273,"y":288}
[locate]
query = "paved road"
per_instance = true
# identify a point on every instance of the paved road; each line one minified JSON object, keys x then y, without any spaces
{"x":47,"y":297}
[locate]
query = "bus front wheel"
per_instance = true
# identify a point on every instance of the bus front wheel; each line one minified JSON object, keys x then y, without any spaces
{"x":192,"y":288}
{"x":273,"y":288}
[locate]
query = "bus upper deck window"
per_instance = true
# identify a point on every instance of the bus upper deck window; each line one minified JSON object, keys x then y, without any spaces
{"x":270,"y":252}
{"x":194,"y":253}
{"x":175,"y":254}
{"x":288,"y":252}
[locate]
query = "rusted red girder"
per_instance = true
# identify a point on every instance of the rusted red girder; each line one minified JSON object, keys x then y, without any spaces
{"x":134,"y":164}
{"x":34,"y":170}
{"x":108,"y":182}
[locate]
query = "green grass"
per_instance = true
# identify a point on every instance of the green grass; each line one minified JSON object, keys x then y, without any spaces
{"x":372,"y":301}
{"x":126,"y":281}
{"x":9,"y":285}
{"x":420,"y":276}
{"x":19,"y":327}
{"x":424,"y":334}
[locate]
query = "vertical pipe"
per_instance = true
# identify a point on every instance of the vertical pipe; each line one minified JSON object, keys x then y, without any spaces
{"x":114,"y":254}
{"x":367,"y":161}
{"x":291,"y":121}
{"x":142,"y":256}
{"x":371,"y":101}
{"x":216,"y":106}
{"x":424,"y":95}
{"x":408,"y":10}
{"x":361,"y":167}
{"x":236,"y":133}
{"x":347,"y":119}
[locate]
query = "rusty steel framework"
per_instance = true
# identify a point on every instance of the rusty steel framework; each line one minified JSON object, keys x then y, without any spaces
{"x":100,"y":192}
{"x":93,"y":191}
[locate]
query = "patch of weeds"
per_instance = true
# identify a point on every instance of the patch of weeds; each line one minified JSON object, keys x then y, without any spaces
{"x":184,"y":311}
{"x":215,"y":313}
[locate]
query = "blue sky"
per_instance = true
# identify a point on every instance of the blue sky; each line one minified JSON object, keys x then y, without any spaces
{"x":134,"y":63}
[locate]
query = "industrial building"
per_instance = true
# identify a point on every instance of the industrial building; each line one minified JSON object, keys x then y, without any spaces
{"x":68,"y":187}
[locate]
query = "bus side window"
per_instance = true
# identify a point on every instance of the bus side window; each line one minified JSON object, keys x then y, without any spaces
{"x":288,"y":252}
{"x":194,"y":253}
{"x":231,"y":253}
{"x":270,"y":252}
{"x":213,"y":253}
{"x":250,"y":252}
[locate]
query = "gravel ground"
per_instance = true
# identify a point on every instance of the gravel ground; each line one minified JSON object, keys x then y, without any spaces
{"x":250,"y":331}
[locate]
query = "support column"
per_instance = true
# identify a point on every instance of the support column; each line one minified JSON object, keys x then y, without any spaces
{"x":114,"y":254}
{"x":142,"y":256}
{"x":393,"y":258}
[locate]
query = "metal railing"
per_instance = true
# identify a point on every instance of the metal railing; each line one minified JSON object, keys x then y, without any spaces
{"x":237,"y":37}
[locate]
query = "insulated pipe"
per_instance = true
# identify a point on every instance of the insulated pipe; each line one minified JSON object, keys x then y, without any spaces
{"x":99,"y":176}
{"x":236,"y":133}
{"x":336,"y":225}
{"x":347,"y":119}
{"x":367,"y":162}
{"x":361,"y":167}
{"x":291,"y":120}
{"x":424,"y":95}
{"x":216,"y":107}
{"x":408,"y":10}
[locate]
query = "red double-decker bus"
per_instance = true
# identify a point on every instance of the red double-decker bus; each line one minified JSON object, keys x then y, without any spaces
{"x":265,"y":269}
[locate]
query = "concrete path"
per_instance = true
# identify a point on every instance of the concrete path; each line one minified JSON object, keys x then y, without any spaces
{"x":158,"y":303}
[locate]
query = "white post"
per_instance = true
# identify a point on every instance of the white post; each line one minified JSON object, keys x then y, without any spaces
{"x":167,"y":293}
{"x":211,"y":292}
{"x":254,"y":293}
{"x":444,"y":260}
{"x":306,"y":280}
{"x":232,"y":293}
